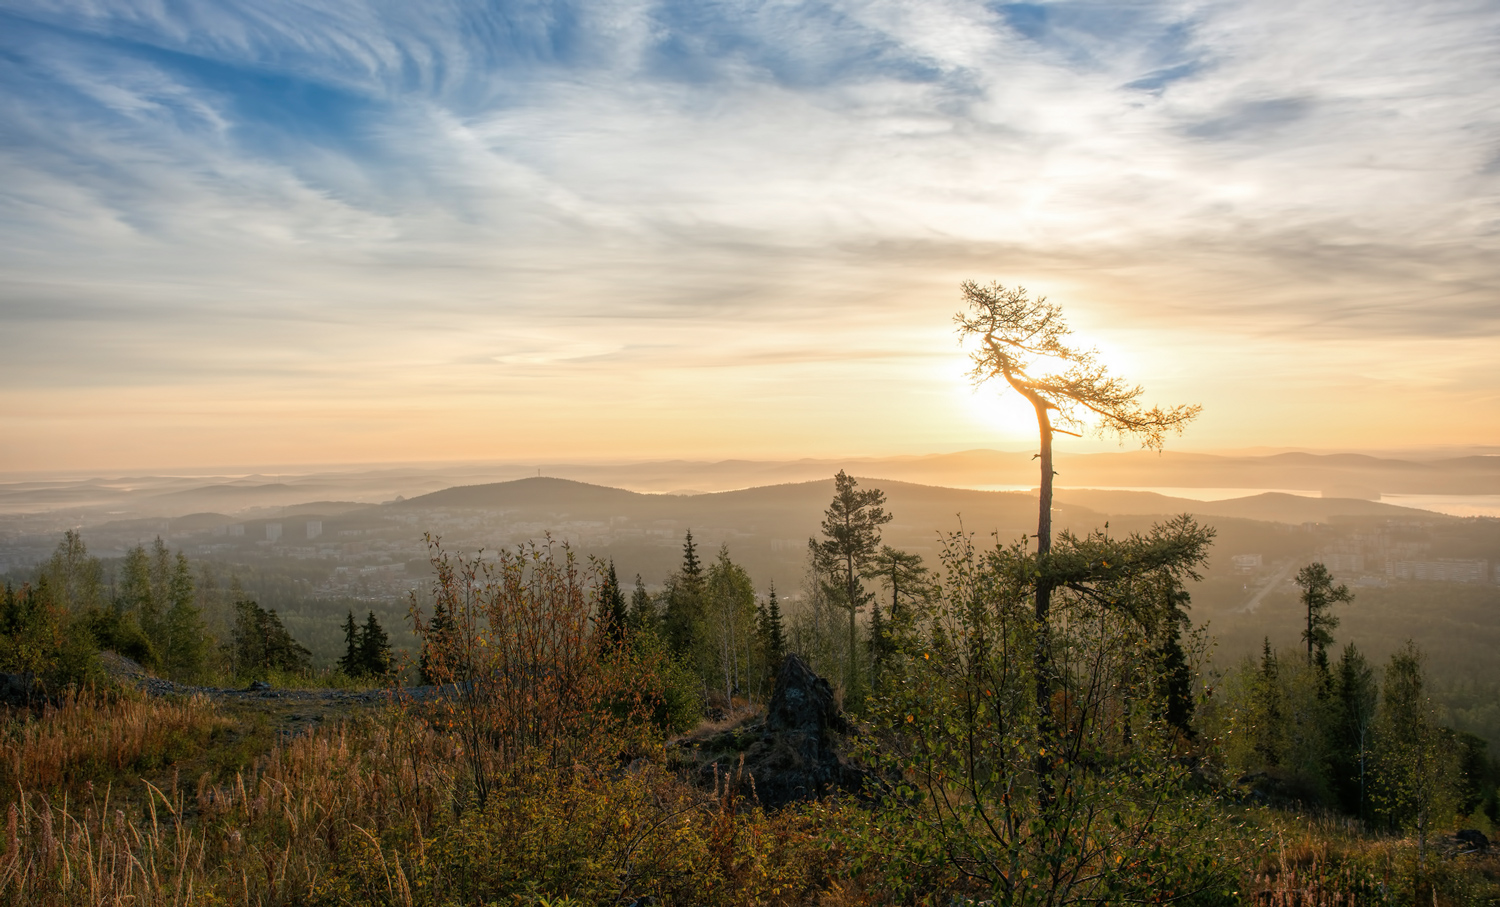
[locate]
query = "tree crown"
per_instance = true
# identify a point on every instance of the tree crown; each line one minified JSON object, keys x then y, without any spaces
{"x":1027,"y":342}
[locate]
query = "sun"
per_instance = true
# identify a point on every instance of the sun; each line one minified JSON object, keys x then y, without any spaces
{"x":993,"y":407}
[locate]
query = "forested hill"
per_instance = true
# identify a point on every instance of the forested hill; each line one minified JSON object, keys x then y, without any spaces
{"x":935,"y":508}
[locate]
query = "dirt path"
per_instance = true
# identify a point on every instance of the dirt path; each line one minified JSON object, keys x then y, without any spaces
{"x":1255,"y":600}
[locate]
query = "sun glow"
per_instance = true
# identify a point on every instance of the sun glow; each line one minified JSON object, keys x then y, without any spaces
{"x":993,"y":406}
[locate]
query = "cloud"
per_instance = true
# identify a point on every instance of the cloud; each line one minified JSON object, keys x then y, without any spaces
{"x":220,"y":193}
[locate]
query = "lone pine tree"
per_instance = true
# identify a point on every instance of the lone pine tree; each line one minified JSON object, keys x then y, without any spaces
{"x":1318,"y":595}
{"x":851,"y":530}
{"x":1026,"y":342}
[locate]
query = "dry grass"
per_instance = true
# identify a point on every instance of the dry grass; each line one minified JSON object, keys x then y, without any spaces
{"x":90,"y":739}
{"x":376,"y":811}
{"x":365,"y":813}
{"x":1328,"y":862}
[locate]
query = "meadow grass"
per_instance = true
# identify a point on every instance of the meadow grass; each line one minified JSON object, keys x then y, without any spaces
{"x":125,"y":801}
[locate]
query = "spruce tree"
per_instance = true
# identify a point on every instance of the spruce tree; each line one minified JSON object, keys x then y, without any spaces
{"x":261,"y":642}
{"x":374,"y":648}
{"x":1268,"y":725}
{"x":1354,"y":719}
{"x":613,"y":617}
{"x":184,"y":636}
{"x":775,"y":632}
{"x":350,"y":662}
{"x":686,"y":604}
{"x":435,"y":663}
{"x":642,"y":610}
{"x":1173,"y":674}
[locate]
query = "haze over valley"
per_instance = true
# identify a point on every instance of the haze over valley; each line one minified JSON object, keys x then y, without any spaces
{"x":844,"y":452}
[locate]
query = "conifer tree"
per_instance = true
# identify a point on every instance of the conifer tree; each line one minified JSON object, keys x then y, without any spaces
{"x":261,"y":642}
{"x":879,"y":644}
{"x":134,"y":591}
{"x":75,"y":577}
{"x":686,"y":606}
{"x":896,"y":630}
{"x":350,"y":662}
{"x":642,"y":610}
{"x":374,"y":648}
{"x":1318,"y":595}
{"x":435,"y":664}
{"x":1268,"y":716}
{"x":851,"y":530}
{"x":184,"y":636}
{"x":775,"y":632}
{"x":1027,"y":343}
{"x":612,"y":615}
{"x":1355,"y":704}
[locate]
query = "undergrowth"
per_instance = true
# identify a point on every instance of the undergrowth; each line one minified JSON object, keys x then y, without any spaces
{"x":377,"y":810}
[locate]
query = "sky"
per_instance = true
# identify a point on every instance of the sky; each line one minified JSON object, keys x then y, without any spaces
{"x":302,"y":232}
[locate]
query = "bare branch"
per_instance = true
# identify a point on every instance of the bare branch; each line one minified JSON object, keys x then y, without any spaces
{"x":1018,"y":335}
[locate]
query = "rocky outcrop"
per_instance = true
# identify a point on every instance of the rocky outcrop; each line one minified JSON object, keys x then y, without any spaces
{"x":794,"y":753}
{"x":21,"y":691}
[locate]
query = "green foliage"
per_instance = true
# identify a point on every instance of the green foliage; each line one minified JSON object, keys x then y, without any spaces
{"x":897,"y":631}
{"x":731,"y":606}
{"x":770,"y":636}
{"x":1318,"y":595}
{"x":1080,"y":806}
{"x":1352,"y":733}
{"x":818,"y":626}
{"x":157,"y":597}
{"x":612,"y":614}
{"x":676,"y":703}
{"x":75,"y":578}
{"x":262,"y":644}
{"x":367,"y":649}
{"x":1273,"y":719}
{"x":120,"y":631}
{"x":685,"y":613}
{"x":851,"y":538}
{"x":643,"y":616}
{"x":1330,"y":741}
{"x":41,"y":639}
{"x":1417,"y":780}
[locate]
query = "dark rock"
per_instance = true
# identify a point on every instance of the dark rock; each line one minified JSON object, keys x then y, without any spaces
{"x":793,"y":754}
{"x":802,"y":702}
{"x":1473,"y":838}
{"x":258,"y":686}
{"x":21,"y":690}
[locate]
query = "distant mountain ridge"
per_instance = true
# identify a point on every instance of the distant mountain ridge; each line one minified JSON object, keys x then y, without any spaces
{"x":1335,"y":475}
{"x":910,"y":502}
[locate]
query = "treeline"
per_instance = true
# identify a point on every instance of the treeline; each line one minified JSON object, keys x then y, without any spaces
{"x":1340,"y":736}
{"x":156,"y":613}
{"x":1005,"y":752}
{"x":861,"y":603}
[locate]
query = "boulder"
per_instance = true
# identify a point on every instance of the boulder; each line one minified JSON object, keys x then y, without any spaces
{"x":21,"y":690}
{"x":793,"y":753}
{"x":1473,"y":839}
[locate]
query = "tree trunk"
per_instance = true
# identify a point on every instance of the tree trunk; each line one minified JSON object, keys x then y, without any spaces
{"x":853,"y":594}
{"x":1041,"y":655}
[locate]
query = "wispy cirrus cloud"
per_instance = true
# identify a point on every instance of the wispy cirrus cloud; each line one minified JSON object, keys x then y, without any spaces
{"x":282,"y":198}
